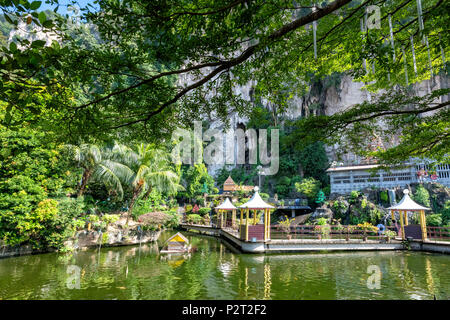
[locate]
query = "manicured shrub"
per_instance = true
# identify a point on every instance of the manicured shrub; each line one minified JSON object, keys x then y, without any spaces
{"x":204,"y":211}
{"x":194,"y":218}
{"x":321,"y":221}
{"x":153,"y":220}
{"x":174,"y":219}
{"x":354,"y":196}
{"x":79,"y":224}
{"x":434,"y":220}
{"x":110,"y":218}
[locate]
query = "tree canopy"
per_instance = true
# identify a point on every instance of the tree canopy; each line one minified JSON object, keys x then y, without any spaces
{"x":143,"y":68}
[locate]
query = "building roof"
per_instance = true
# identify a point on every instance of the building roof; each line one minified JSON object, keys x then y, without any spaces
{"x":256,"y":202}
{"x":229,"y":182}
{"x":177,"y":237}
{"x":358,"y":167}
{"x":408,"y":204}
{"x":226,"y":205}
{"x":230,"y":185}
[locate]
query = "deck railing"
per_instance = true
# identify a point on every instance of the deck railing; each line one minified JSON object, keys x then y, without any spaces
{"x":203,"y":222}
{"x":438,"y":233}
{"x":327,"y":232}
{"x":228,"y":224}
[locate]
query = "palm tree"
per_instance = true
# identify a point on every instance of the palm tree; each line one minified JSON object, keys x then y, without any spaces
{"x":98,"y":165}
{"x":150,"y":169}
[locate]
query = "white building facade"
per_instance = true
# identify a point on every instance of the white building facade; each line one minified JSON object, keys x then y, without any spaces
{"x":348,"y":178}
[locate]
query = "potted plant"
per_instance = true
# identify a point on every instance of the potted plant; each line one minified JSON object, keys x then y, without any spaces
{"x":367,"y":227}
{"x":322,"y":228}
{"x":389,"y":234}
{"x":349,"y":230}
{"x":325,"y":231}
{"x":285,"y":227}
{"x":318,"y":230}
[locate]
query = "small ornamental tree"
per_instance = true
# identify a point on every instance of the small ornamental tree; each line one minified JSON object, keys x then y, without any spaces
{"x":320,"y":198}
{"x":205,"y":187}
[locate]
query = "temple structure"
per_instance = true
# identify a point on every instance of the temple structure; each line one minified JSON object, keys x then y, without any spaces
{"x":344,"y":179}
{"x":230,"y":186}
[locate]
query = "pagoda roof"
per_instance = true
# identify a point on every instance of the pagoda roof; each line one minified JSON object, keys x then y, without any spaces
{"x":408,"y":204}
{"x":256,"y":202}
{"x":226,"y":205}
{"x":229,"y":181}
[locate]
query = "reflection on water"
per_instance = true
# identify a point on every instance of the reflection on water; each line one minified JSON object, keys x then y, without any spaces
{"x":214,"y":271}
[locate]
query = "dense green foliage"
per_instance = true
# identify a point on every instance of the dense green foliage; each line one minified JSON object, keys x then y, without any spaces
{"x":38,"y":177}
{"x":309,"y":187}
{"x":356,"y":209}
{"x":193,"y":179}
{"x":434,"y":220}
{"x":120,"y":69}
{"x":32,"y":171}
{"x":422,"y":196}
{"x":132,"y":72}
{"x":446,"y":213}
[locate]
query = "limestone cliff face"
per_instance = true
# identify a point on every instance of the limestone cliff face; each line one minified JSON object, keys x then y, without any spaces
{"x":32,"y":32}
{"x":325,"y":98}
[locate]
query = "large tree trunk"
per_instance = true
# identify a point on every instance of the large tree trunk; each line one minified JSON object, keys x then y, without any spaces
{"x":136,"y":193}
{"x":147,"y":194}
{"x":86,"y":176}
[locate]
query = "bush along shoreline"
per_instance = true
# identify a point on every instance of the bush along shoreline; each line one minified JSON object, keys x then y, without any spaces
{"x":108,"y":230}
{"x":57,"y":197}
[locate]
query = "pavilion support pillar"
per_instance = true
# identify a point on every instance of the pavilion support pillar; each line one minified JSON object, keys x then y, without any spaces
{"x":265,"y":224}
{"x":423,"y":224}
{"x":233,"y":218}
{"x":241,"y":223}
{"x":268,"y":224}
{"x":406,"y":217}
{"x":255,"y":214}
{"x":402,"y":226}
{"x":246,"y":224}
{"x":392,"y":215}
{"x":225,"y":218}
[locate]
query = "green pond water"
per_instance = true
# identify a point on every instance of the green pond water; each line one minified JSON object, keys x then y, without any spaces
{"x":215,"y":271}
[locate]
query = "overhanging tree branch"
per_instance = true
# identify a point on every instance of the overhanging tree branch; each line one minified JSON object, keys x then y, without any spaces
{"x":222,"y":65}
